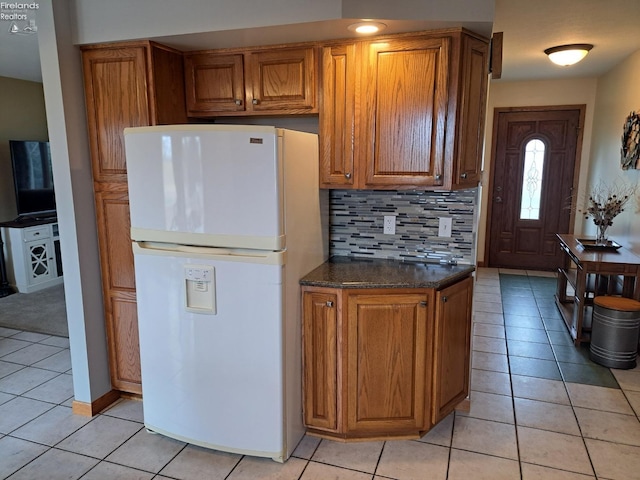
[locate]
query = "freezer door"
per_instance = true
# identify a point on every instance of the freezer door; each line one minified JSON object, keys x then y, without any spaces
{"x":212,"y":376}
{"x":206,"y":185}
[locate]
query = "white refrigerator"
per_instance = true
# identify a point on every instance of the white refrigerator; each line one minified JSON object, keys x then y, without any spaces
{"x":225,"y":220}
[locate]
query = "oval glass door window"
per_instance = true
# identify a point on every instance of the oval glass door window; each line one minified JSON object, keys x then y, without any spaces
{"x":532,"y":180}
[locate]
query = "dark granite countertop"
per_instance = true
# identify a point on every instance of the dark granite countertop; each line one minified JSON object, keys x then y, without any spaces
{"x":351,"y":272}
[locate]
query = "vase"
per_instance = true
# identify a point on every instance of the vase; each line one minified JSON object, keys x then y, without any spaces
{"x":601,"y":237}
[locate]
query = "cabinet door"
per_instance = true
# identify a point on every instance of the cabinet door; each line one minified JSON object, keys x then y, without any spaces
{"x":214,"y":83}
{"x":167,"y":94}
{"x":320,"y":359}
{"x":40,"y":260}
{"x":452,"y":347}
{"x":405,"y":88}
{"x":469,"y":129}
{"x":282,"y":80}
{"x":387,"y":351}
{"x":337,"y":116}
{"x":116,"y":93}
{"x":118,"y":284}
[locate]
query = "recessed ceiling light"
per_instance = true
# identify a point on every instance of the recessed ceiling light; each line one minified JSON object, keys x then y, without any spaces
{"x":566,"y":55}
{"x":366,"y":27}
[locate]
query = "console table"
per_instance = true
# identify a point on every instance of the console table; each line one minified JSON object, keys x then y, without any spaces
{"x":592,"y":272}
{"x":33,"y":259}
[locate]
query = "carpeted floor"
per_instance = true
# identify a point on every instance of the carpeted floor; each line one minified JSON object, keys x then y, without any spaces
{"x":43,"y":311}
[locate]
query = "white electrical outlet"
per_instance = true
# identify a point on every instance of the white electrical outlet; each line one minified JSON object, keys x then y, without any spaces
{"x":389,"y":225}
{"x":444,"y":228}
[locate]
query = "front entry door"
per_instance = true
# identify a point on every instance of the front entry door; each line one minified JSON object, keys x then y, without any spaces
{"x":533,"y":169}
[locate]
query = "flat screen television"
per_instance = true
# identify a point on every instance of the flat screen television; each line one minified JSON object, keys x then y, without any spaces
{"x":33,"y":178}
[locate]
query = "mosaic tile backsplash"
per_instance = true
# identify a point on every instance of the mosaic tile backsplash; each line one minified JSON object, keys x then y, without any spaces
{"x":357,"y":225}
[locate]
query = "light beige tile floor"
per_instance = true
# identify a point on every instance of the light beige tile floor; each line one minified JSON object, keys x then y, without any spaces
{"x":519,"y":426}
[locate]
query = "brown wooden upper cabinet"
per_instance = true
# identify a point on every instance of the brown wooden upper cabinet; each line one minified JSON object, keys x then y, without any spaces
{"x":128,"y":84}
{"x":403,"y":111}
{"x":269,"y":81}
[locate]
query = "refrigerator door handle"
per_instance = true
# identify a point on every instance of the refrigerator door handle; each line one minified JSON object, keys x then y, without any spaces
{"x":225,"y":254}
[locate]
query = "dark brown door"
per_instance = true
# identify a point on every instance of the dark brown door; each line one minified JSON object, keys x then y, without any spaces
{"x":535,"y":151}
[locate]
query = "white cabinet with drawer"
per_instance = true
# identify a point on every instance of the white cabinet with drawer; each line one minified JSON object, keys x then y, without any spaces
{"x":32,"y":255}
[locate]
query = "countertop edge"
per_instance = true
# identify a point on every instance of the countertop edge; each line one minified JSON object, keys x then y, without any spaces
{"x":447,"y":279}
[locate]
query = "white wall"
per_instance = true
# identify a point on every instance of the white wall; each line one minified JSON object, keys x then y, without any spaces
{"x":64,"y":103}
{"x":103,"y":21}
{"x":618,"y":95}
{"x":451,"y":10}
{"x":536,"y":93}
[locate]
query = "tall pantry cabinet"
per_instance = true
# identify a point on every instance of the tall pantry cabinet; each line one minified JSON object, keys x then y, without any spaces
{"x":126,"y":85}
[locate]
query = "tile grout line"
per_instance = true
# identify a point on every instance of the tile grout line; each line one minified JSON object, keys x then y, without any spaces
{"x":513,"y":397}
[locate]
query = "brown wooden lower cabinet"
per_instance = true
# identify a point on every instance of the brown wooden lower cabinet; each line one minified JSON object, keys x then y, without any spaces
{"x":384,"y":363}
{"x":452,"y":349}
{"x":118,"y":285}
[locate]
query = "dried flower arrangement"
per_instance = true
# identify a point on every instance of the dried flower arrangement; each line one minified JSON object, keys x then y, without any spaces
{"x":604,"y":204}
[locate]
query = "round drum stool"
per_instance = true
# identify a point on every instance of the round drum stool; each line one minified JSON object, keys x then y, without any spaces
{"x":614,"y":332}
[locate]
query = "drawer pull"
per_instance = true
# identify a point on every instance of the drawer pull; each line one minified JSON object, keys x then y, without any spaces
{"x":423,"y":303}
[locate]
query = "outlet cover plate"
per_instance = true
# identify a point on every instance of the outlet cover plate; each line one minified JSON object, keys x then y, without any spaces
{"x":444,"y":227}
{"x":389,"y":225}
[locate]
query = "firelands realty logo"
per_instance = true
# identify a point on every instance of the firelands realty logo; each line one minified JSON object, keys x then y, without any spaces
{"x":19,"y":16}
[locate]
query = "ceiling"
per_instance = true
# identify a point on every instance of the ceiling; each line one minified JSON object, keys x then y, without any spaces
{"x":528,"y":27}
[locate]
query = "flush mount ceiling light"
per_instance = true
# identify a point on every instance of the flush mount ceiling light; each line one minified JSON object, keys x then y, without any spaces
{"x":568,"y":54}
{"x":366,"y":27}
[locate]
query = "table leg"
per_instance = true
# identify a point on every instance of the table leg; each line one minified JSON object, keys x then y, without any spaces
{"x":579,"y":305}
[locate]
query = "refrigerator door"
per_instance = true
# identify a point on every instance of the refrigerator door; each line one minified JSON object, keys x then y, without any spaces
{"x":216,"y":185}
{"x":213,"y":375}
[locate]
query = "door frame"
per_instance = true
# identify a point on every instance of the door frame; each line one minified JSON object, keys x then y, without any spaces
{"x":494,"y":149}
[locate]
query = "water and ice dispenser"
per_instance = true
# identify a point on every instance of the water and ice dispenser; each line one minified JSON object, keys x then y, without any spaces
{"x":200,"y":289}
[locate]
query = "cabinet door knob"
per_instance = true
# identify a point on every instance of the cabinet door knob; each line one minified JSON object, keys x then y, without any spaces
{"x":444,"y":299}
{"x":329,"y":303}
{"x":255,"y":101}
{"x":423,"y":303}
{"x":498,"y":199}
{"x":238,"y":102}
{"x":463,"y":175}
{"x":347,"y":175}
{"x":438,"y":177}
